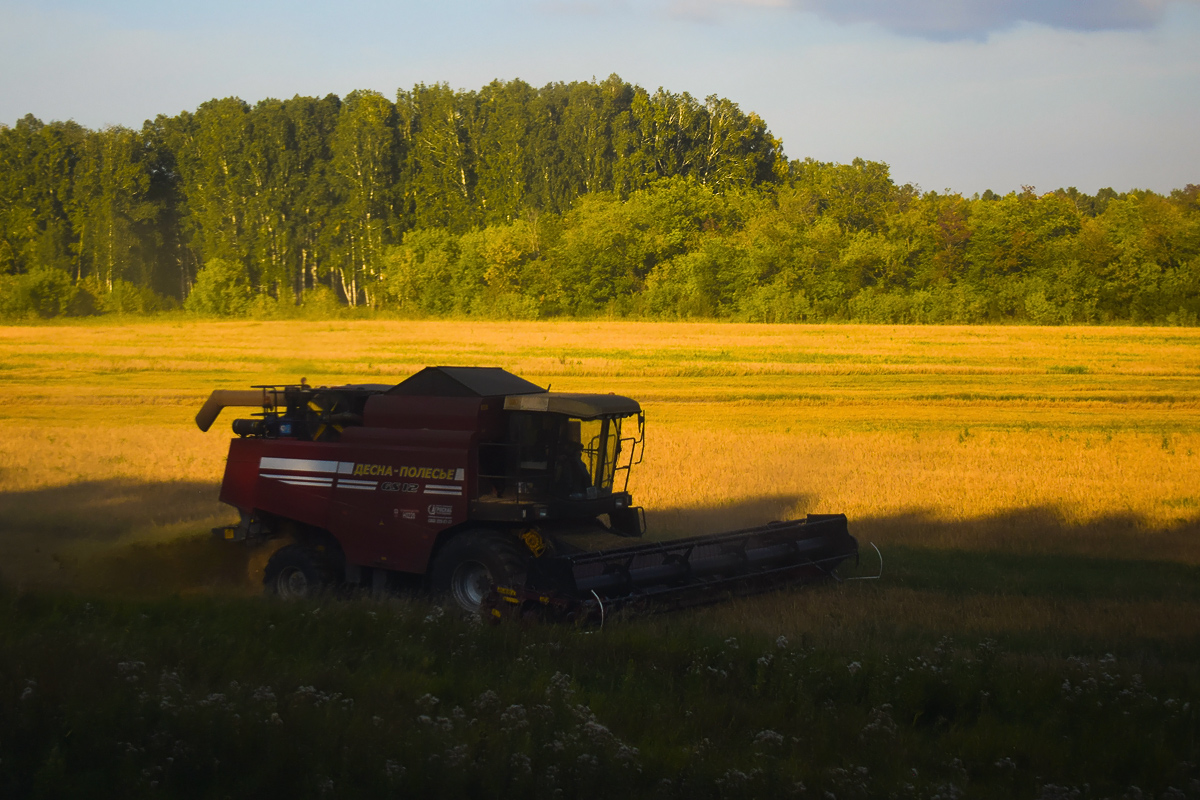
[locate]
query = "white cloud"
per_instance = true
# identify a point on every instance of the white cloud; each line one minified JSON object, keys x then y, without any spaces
{"x":962,"y":19}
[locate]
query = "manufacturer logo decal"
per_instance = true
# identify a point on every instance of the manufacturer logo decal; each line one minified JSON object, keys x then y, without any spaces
{"x":373,"y":469}
{"x":457,"y":474}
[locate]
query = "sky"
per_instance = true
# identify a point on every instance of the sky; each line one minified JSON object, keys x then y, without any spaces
{"x":964,"y":95}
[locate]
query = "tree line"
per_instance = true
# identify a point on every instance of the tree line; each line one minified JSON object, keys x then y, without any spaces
{"x":588,"y":198}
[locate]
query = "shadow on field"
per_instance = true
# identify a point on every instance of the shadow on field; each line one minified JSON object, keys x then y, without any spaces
{"x":154,"y":537}
{"x":1042,"y":530}
{"x":665,"y":523}
{"x":102,"y":510}
{"x":114,"y":533}
{"x":1032,"y":551}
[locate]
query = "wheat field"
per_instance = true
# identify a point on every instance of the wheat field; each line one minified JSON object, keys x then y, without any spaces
{"x":1079,"y":442}
{"x":1033,"y":492}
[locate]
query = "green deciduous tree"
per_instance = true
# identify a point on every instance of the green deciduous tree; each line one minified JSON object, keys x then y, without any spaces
{"x":364,"y":163}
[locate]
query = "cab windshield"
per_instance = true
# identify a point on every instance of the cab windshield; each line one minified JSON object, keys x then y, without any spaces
{"x":569,"y":458}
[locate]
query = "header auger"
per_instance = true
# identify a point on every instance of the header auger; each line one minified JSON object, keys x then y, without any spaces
{"x":488,"y":488}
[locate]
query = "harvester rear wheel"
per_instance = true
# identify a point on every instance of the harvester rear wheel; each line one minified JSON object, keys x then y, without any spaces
{"x":297,"y":572}
{"x":471,"y":563}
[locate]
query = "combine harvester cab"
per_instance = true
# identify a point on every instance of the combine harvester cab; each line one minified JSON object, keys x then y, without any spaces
{"x":501,"y":494}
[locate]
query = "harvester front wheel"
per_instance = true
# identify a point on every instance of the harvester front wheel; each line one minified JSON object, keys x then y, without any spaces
{"x":296,"y":572}
{"x":471,"y":563}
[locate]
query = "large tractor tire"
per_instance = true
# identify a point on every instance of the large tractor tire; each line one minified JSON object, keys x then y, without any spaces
{"x":471,"y":563}
{"x":297,"y":572}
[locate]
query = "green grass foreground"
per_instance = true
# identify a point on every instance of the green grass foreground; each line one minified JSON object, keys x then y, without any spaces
{"x":222,"y":695}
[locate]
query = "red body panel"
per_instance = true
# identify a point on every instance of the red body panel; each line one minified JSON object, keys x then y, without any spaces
{"x":384,"y":493}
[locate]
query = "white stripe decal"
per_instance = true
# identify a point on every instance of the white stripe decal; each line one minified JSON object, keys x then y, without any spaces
{"x":305,"y":478}
{"x":442,"y":486}
{"x":460,"y":474}
{"x":309,"y":478}
{"x":346,"y":468}
{"x":443,"y":491}
{"x":302,"y":482}
{"x":297,"y":464}
{"x":357,"y":488}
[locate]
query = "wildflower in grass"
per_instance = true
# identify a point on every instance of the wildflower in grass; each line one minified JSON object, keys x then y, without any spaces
{"x":393,"y":770}
{"x":131,"y":670}
{"x":427,"y":702}
{"x":596,"y":732}
{"x":881,"y":722}
{"x":457,"y":756}
{"x":781,"y":642}
{"x":514,"y":718}
{"x":560,"y":686}
{"x":854,"y":667}
{"x":521,"y":763}
{"x":487,"y":699}
{"x":734,"y":779}
{"x":768,"y":738}
{"x":435,"y":613}
{"x":169,"y":682}
{"x":264,"y":695}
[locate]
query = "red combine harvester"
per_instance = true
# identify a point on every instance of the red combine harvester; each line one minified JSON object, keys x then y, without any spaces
{"x":503,"y":495}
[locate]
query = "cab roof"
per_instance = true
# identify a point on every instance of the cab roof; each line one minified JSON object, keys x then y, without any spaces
{"x":581,"y":406}
{"x":465,"y":382}
{"x":518,"y":393}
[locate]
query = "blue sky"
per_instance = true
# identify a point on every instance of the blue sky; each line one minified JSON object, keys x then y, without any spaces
{"x":960,"y":94}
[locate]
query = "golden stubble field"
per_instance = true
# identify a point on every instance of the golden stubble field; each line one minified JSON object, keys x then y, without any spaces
{"x":1013,"y":441}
